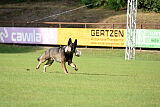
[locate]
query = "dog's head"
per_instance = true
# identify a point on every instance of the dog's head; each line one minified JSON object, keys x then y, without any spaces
{"x":71,"y":47}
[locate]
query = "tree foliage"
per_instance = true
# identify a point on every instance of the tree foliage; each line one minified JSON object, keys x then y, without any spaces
{"x":147,"y":5}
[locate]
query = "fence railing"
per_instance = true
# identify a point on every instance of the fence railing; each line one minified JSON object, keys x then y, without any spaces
{"x":76,"y":25}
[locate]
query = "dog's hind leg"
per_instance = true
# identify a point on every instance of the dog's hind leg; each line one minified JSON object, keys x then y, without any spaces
{"x":41,"y":60}
{"x":44,"y":68}
{"x":38,"y":65}
{"x":49,"y":63}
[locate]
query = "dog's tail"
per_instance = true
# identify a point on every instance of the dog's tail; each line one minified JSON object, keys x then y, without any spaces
{"x":44,"y":56}
{"x":38,"y":58}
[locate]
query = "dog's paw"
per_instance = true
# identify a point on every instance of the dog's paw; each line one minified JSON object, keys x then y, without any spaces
{"x":66,"y":73}
{"x":76,"y":69}
{"x":37,"y":67}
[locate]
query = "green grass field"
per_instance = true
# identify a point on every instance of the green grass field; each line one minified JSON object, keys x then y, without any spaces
{"x":104,"y":79}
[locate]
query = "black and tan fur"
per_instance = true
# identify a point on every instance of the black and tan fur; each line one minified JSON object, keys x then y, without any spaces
{"x":59,"y":54}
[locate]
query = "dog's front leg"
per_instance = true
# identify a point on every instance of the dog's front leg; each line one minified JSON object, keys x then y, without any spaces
{"x":64,"y":67}
{"x":73,"y":65}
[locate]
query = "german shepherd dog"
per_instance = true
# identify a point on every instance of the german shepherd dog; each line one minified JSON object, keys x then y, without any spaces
{"x":59,"y":54}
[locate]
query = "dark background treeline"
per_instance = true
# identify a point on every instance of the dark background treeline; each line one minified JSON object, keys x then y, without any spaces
{"x":146,"y":5}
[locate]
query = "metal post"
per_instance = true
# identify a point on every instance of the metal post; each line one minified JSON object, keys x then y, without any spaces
{"x":85,"y":25}
{"x":131,"y":30}
{"x":59,"y":25}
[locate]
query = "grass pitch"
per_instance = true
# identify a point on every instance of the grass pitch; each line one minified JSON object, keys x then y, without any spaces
{"x":104,"y":79}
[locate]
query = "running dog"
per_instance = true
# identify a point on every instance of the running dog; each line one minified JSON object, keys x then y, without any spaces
{"x":60,"y":54}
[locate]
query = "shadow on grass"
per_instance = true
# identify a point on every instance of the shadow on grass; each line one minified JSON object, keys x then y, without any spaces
{"x":5,"y":48}
{"x":98,"y":74}
{"x":94,"y":74}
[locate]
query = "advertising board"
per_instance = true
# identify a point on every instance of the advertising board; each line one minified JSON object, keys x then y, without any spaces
{"x":28,"y":35}
{"x":148,"y":38}
{"x":93,"y":37}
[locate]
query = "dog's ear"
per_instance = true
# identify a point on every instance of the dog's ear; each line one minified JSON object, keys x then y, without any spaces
{"x":75,"y":42}
{"x":69,"y":41}
{"x":74,"y":45}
